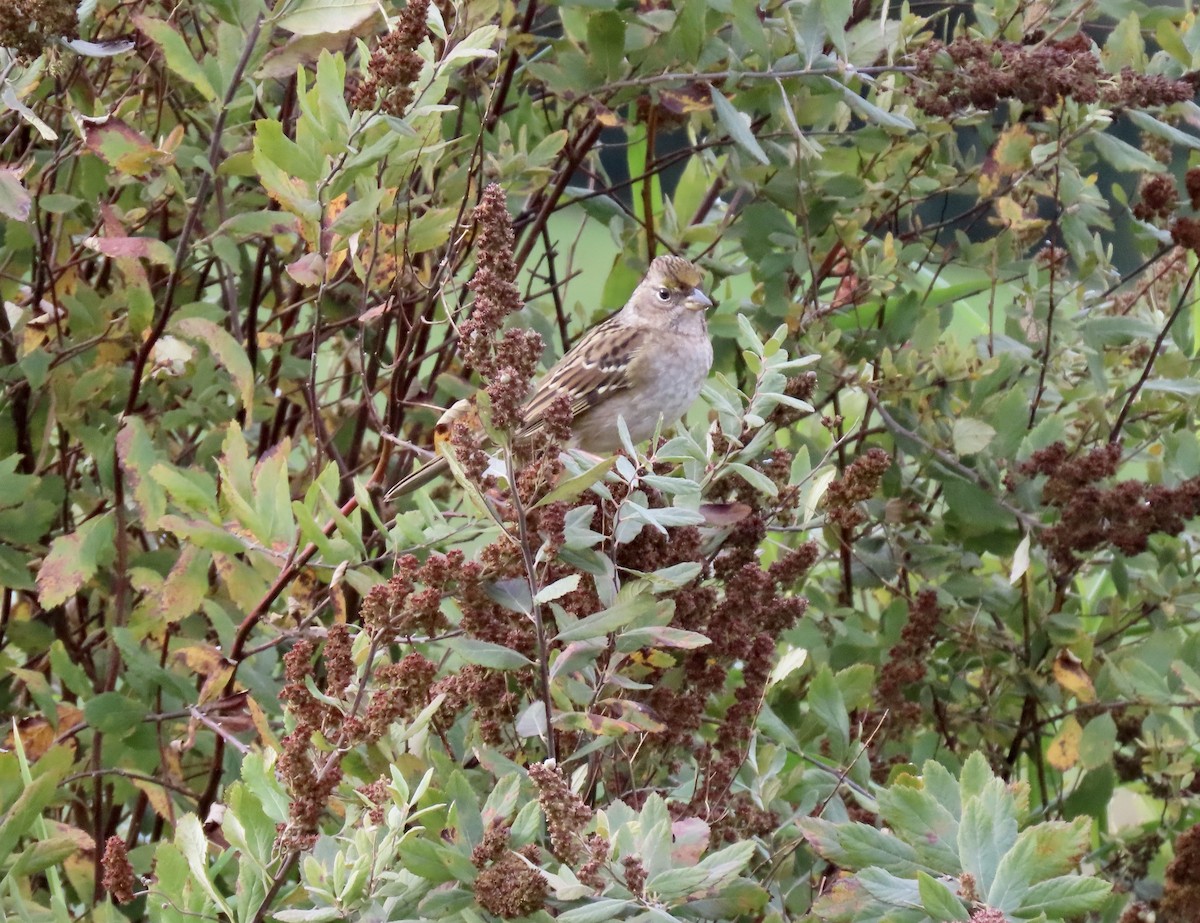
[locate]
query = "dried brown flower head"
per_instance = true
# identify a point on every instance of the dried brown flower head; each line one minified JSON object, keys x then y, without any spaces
{"x":972,"y":72}
{"x":906,"y":665}
{"x":858,"y":483}
{"x":118,"y":880}
{"x":1158,"y":198}
{"x":1191,"y":182}
{"x":1123,"y":515}
{"x":566,"y":814}
{"x":510,"y":888}
{"x":29,"y":26}
{"x":394,"y":64}
{"x":1181,"y":889}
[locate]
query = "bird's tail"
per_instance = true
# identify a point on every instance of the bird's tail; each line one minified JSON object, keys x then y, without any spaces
{"x":430,"y":471}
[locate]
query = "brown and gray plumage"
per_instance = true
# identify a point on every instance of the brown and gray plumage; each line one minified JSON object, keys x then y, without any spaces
{"x":645,"y":363}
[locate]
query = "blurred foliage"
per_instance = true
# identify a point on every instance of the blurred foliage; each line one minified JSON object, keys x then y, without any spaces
{"x":899,"y":625}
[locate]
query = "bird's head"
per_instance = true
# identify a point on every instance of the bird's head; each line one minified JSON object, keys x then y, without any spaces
{"x":670,"y":290}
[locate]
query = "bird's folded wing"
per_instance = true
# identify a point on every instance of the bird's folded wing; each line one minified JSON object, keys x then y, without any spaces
{"x":594,"y":369}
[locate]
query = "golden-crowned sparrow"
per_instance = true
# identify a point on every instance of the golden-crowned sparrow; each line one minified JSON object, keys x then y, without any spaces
{"x":645,"y":363}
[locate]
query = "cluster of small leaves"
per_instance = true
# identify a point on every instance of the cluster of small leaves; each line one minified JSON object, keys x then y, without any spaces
{"x":955,"y":849}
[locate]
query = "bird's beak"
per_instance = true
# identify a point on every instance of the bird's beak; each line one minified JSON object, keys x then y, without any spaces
{"x":698,"y":301}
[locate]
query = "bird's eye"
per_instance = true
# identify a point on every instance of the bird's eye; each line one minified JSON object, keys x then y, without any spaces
{"x":664,"y":294}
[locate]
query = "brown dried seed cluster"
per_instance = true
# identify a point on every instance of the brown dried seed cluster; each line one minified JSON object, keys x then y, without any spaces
{"x":859,"y":482}
{"x":118,"y":880}
{"x":310,"y":786}
{"x":509,"y":364}
{"x":485,"y":690}
{"x":1181,"y":889}
{"x":409,"y":604}
{"x":988,"y":915}
{"x":1191,"y":182}
{"x":510,"y":888}
{"x":635,"y":875}
{"x":1123,"y":515}
{"x":402,"y":690}
{"x":496,"y":294}
{"x":28,"y":26}
{"x":907,"y":664}
{"x":566,"y":814}
{"x":972,"y":72}
{"x":395,"y":64}
{"x":1158,"y":198}
{"x":1185,"y":232}
{"x":589,"y":873}
{"x":377,"y":793}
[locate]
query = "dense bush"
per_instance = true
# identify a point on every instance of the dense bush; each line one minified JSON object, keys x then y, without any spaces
{"x":898,"y":625}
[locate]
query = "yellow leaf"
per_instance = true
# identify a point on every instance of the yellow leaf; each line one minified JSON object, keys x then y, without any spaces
{"x":158,"y":798}
{"x":1070,"y":674}
{"x":1063,"y":752}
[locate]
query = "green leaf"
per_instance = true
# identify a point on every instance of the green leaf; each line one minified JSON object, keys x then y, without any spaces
{"x":971,"y":436}
{"x":512,"y":593}
{"x":825,"y":700}
{"x":39,"y":856}
{"x":177,"y":54}
{"x":19,"y":819}
{"x":113,"y":713}
{"x":1124,"y":156}
{"x":1187,"y":387}
{"x":227,"y":351}
{"x":738,"y":125}
{"x":193,"y":844}
{"x":939,"y":901}
{"x":14,"y":570}
{"x":637,"y":639}
{"x":436,"y":862}
{"x":600,"y":910}
{"x":1098,"y":742}
{"x":890,"y":889}
{"x":476,"y":45}
{"x":869,"y":111}
{"x":1149,"y":123}
{"x":15,"y":200}
{"x":316,"y":17}
{"x":857,"y":845}
{"x":925,"y":821}
{"x":755,"y":478}
{"x":985,"y":835}
{"x":606,"y":43}
{"x":488,"y":654}
{"x":1063,"y":898}
{"x":74,"y":559}
{"x":557,"y":589}
{"x":311,"y":915}
{"x":617,"y":616}
{"x":1125,"y":46}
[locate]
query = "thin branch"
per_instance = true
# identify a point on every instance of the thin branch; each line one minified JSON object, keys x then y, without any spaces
{"x":1028,"y":522}
{"x":1183,"y":302}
